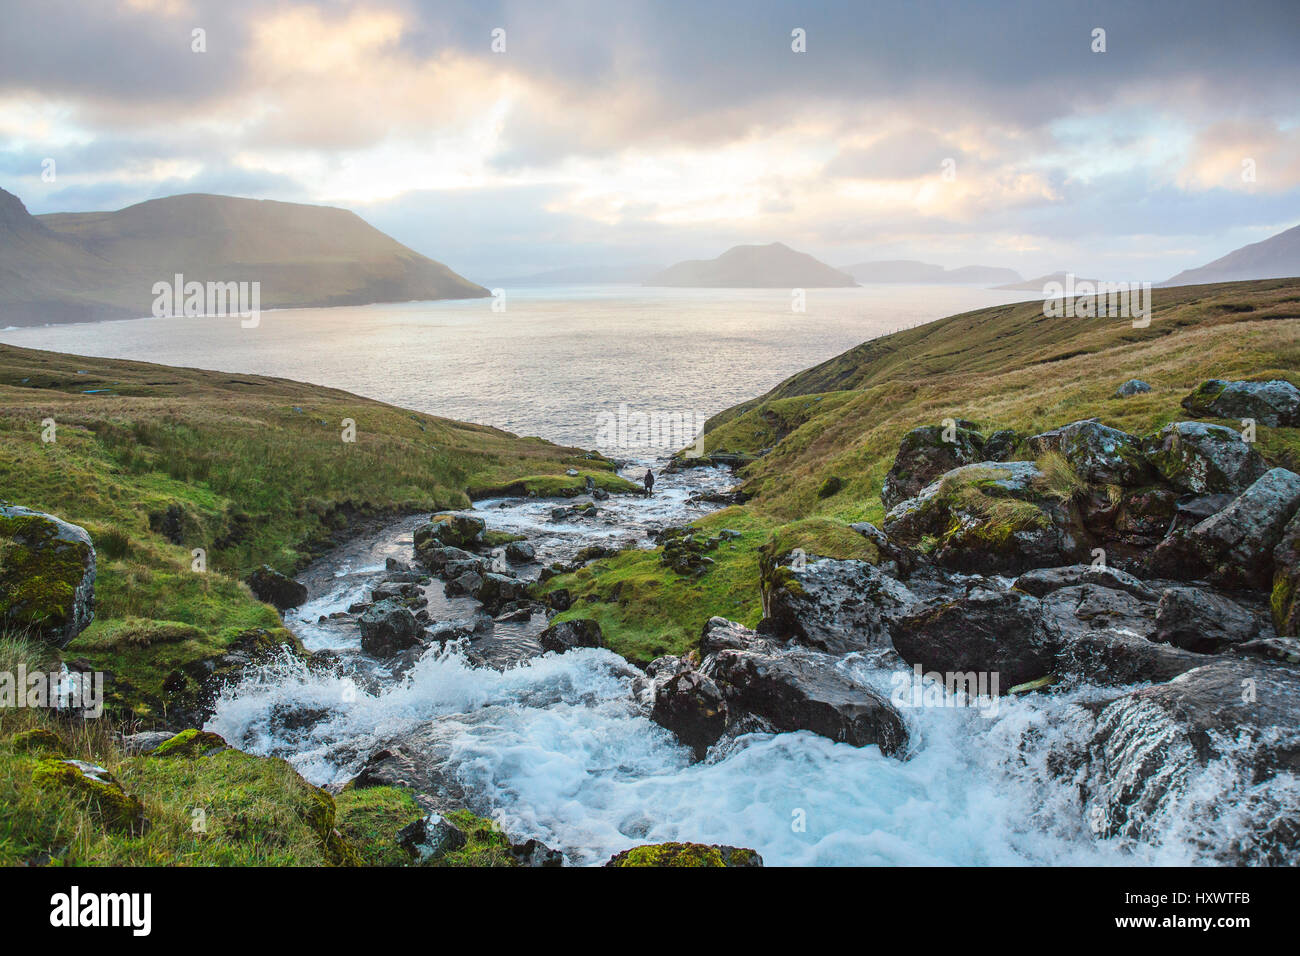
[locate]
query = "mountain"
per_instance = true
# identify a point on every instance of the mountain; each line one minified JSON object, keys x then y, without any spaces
{"x":78,"y":267}
{"x":774,"y":266}
{"x":910,"y":270}
{"x":1277,"y":257}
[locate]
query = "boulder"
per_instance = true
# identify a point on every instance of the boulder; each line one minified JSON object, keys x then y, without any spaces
{"x":1203,"y":459}
{"x":991,"y":517}
{"x":686,"y":854}
{"x":109,"y":803}
{"x":691,"y":705}
{"x":430,"y":838}
{"x":1134,"y":386}
{"x":496,"y":590}
{"x":924,"y":455}
{"x":520,"y":552}
{"x":450,"y":530}
{"x":1274,"y":403}
{"x":1001,"y":445}
{"x":720,"y":634}
{"x":465,"y":581}
{"x":1151,"y":746}
{"x":1043,"y":442}
{"x":834,"y":606}
{"x":1104,"y":455}
{"x":1235,"y":546}
{"x":534,"y":853}
{"x":279,"y":590}
{"x":582,"y":632}
{"x":47,"y":575}
{"x":805,"y":690}
{"x":987,"y":631}
{"x":388,"y":628}
{"x":438,"y":558}
{"x":1200,"y":620}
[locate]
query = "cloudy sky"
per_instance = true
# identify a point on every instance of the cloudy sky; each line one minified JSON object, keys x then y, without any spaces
{"x":637,"y":132}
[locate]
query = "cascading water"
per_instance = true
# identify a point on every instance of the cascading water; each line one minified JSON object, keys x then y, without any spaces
{"x":555,"y":747}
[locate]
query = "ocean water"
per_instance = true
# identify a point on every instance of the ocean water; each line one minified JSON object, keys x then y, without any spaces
{"x":558,"y":362}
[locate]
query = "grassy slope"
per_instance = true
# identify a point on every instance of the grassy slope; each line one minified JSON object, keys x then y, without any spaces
{"x":255,"y":470}
{"x":1004,"y":367}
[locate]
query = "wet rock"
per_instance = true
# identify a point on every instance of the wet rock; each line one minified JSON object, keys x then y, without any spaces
{"x":987,"y":631}
{"x":799,"y":689}
{"x":430,"y":838}
{"x":279,"y":590}
{"x":834,"y":606}
{"x":721,"y":634}
{"x":1042,"y":581}
{"x":1286,"y":649}
{"x":496,"y":590}
{"x":520,"y":552}
{"x":1150,"y":745}
{"x":561,"y":599}
{"x":686,"y":854}
{"x":1204,"y":459}
{"x":1134,"y":386}
{"x":1235,"y":546}
{"x":1274,"y":403}
{"x":466,"y":582}
{"x":395,"y":590}
{"x":567,"y":635}
{"x":387,"y":628}
{"x":450,"y":530}
{"x":534,"y":853}
{"x":445,"y":631}
{"x":439,"y":558}
{"x":47,"y":575}
{"x":692,"y":706}
{"x":1199,"y":620}
{"x":924,"y":455}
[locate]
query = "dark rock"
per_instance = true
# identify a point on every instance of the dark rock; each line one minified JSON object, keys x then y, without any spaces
{"x":450,"y":530}
{"x":430,"y":838}
{"x":1286,"y":580}
{"x":561,"y":599}
{"x":467,"y":582}
{"x":692,"y":706}
{"x":1275,"y":403}
{"x":520,"y":552}
{"x":1204,"y":459}
{"x":1199,"y":620}
{"x":276,"y":589}
{"x":1043,"y":442}
{"x":438,"y":558}
{"x":924,"y":455}
{"x":834,"y":606}
{"x":567,"y":635}
{"x":1104,"y":455}
{"x":721,"y":634}
{"x":1042,"y":581}
{"x":47,"y":575}
{"x":497,"y":590}
{"x":1134,"y":386}
{"x":534,"y":853}
{"x":1001,"y":445}
{"x":987,"y":631}
{"x":387,"y":628}
{"x":805,"y":690}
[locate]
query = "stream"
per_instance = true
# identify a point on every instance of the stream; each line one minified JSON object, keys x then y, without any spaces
{"x":553,"y":746}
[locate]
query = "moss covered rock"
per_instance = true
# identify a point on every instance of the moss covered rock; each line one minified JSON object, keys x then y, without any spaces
{"x":926,"y":453}
{"x":1275,"y":403}
{"x":112,"y":805}
{"x":190,"y":743}
{"x":686,"y":854}
{"x":1204,"y":459}
{"x":38,"y":741}
{"x":47,"y":575}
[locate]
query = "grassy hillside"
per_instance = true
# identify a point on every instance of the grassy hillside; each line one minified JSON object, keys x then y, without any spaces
{"x":1002,"y":367}
{"x":95,"y":265}
{"x":155,"y":462}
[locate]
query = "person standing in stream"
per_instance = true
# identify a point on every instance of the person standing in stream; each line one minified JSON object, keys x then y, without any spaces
{"x":649,"y":480}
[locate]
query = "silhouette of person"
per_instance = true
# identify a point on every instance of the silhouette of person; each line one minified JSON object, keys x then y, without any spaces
{"x":649,"y":480}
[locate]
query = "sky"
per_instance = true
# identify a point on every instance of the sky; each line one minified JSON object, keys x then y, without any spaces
{"x":505,"y":138}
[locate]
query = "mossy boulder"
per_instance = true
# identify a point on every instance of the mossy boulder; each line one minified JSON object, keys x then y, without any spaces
{"x":1104,"y":455}
{"x":686,"y":854}
{"x":1274,"y":403}
{"x":47,"y":575}
{"x":112,"y":806}
{"x":38,"y":741}
{"x":926,"y":453}
{"x":279,"y":590}
{"x":450,"y":530}
{"x":1203,"y":459}
{"x":1285,"y":599}
{"x":190,"y":743}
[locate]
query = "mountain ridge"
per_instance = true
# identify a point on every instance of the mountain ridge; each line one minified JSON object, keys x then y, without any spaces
{"x":771,"y":266}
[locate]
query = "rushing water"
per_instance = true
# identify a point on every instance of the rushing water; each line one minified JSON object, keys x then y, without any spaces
{"x":554,"y":747}
{"x":553,"y":363}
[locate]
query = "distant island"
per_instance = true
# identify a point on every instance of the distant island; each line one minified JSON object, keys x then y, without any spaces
{"x":1039,"y":284}
{"x":773,"y":266}
{"x":924,"y":273}
{"x":90,"y":266}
